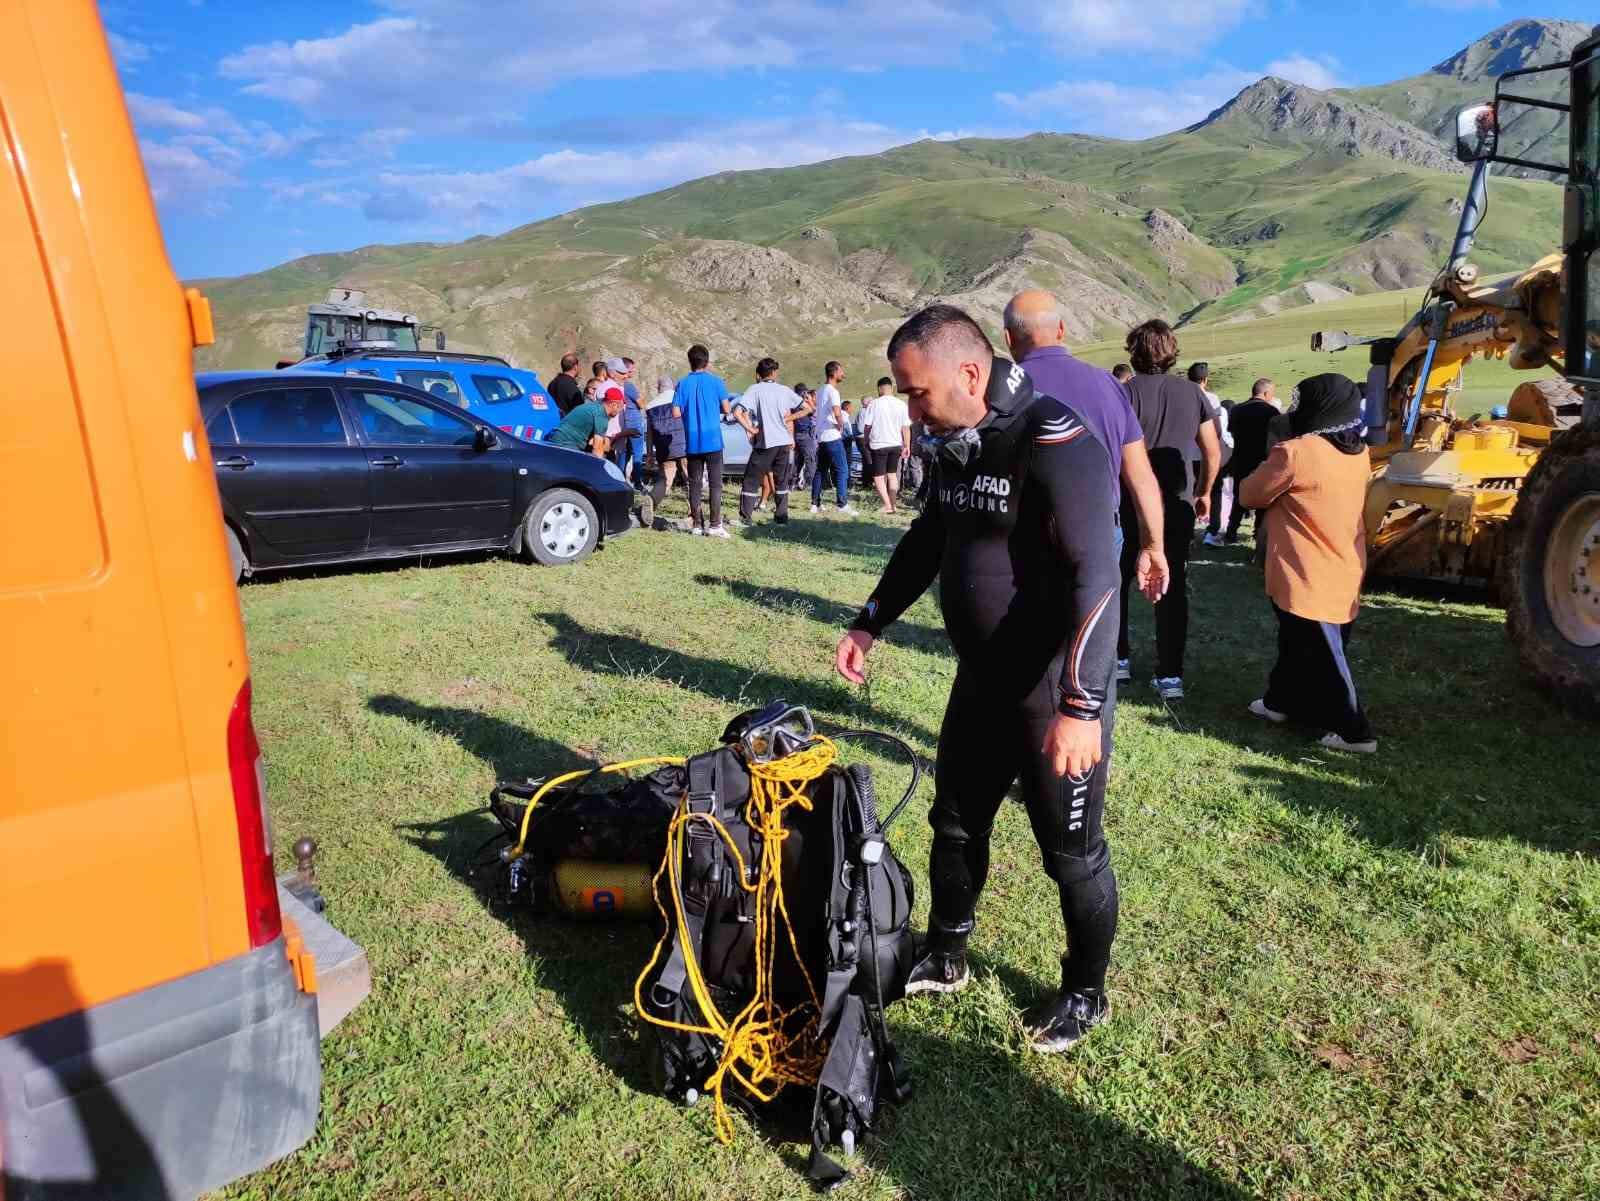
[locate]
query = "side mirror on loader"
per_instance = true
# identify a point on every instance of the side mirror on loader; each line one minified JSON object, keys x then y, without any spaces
{"x":1477,"y":132}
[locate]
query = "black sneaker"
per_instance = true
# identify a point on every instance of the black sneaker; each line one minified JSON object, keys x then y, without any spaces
{"x":1061,"y":1023}
{"x":939,"y":971}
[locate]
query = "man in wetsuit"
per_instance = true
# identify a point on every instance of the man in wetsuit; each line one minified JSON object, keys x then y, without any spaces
{"x":1020,"y":532}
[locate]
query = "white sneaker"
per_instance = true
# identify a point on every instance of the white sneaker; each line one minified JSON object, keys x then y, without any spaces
{"x":697,"y":531}
{"x":1124,"y":671}
{"x":845,"y":511}
{"x":1213,"y":540}
{"x":1168,"y":688}
{"x":717,"y":531}
{"x":816,"y":508}
{"x":1334,"y":743}
{"x":1259,"y":708}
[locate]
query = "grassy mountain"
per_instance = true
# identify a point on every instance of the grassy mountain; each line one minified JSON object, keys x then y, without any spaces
{"x":1284,"y":196}
{"x":1430,"y":100}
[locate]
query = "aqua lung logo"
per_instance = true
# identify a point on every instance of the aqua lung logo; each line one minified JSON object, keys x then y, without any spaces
{"x":986,"y":494}
{"x":1015,"y":378}
{"x":1079,"y":799}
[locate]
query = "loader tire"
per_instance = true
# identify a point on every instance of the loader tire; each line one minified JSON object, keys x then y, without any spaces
{"x":1550,"y":572}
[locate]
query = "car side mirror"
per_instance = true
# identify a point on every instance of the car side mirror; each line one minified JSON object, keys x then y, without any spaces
{"x":1477,"y":132}
{"x":485,"y":439}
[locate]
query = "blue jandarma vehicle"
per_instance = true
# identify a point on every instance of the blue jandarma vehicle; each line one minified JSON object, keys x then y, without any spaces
{"x":509,"y":398}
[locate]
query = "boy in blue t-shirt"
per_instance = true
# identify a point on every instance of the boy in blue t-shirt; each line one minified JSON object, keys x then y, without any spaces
{"x":703,"y":399}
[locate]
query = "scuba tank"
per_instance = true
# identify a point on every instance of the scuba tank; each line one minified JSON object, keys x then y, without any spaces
{"x":585,"y":889}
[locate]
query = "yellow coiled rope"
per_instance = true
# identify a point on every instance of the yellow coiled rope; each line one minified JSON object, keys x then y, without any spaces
{"x":764,"y":1047}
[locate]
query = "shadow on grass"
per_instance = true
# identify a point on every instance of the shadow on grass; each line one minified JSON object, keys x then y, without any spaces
{"x":979,"y":1124}
{"x":356,"y":567}
{"x":830,"y":613}
{"x":590,"y":966}
{"x":513,"y":752}
{"x":1440,"y":799}
{"x":739,"y":687}
{"x":982,"y":1125}
{"x":870,"y":540}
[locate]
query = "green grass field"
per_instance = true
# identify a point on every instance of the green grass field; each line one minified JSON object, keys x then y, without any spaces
{"x":1336,"y":977}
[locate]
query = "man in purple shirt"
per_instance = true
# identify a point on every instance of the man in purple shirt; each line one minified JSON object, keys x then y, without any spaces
{"x":1035,"y":332}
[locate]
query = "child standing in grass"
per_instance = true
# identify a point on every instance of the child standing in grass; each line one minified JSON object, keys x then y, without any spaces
{"x":1312,"y":488}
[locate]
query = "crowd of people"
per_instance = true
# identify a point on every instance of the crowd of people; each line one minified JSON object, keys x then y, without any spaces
{"x":799,"y":437}
{"x":1060,"y":488}
{"x":1177,"y":456}
{"x":1050,"y":492}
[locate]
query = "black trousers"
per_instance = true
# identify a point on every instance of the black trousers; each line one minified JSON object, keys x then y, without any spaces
{"x":984,"y":747}
{"x":1236,"y":517}
{"x":1311,"y":682}
{"x":1214,"y":522}
{"x":1172,"y":610}
{"x":776,"y":460}
{"x":699,"y":466}
{"x":805,"y":461}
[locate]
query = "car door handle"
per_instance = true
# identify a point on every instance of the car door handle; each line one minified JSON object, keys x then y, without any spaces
{"x":237,"y":462}
{"x":388,"y":461}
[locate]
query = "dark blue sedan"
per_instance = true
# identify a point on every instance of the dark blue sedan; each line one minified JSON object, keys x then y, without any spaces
{"x":317,"y":469}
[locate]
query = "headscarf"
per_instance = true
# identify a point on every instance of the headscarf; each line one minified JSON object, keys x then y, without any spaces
{"x":1329,"y":405}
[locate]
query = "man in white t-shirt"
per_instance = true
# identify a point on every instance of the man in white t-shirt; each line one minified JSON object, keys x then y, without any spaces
{"x":1222,"y":486}
{"x":886,"y":427}
{"x":768,"y":411}
{"x":830,"y":441}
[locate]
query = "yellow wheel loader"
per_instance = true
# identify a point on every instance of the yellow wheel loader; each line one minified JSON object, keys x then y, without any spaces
{"x":1511,"y":501}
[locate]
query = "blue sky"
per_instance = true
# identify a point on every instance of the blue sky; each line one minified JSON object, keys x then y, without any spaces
{"x":282,"y":128}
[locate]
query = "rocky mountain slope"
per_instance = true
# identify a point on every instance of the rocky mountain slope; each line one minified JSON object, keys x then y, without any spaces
{"x":1430,"y":100}
{"x":1282,"y":197}
{"x":1279,"y":109}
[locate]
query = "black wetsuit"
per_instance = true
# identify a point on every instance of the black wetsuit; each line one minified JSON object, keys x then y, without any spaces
{"x":1022,"y":539}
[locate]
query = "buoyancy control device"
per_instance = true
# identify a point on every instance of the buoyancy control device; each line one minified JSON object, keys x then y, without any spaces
{"x":785,"y":915}
{"x":787,"y":933}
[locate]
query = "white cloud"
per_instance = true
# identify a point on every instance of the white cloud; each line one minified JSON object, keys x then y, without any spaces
{"x":1321,"y":72}
{"x":126,"y":51}
{"x":475,"y":49}
{"x":1170,"y":27}
{"x":185,"y":179}
{"x":459,"y":203}
{"x":1123,"y":110}
{"x":154,"y":112}
{"x":304,"y":72}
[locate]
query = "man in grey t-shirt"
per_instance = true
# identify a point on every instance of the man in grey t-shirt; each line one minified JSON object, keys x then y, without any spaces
{"x":771,"y":429}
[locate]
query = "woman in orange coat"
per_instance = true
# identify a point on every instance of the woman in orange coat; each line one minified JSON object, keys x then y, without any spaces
{"x":1312,"y":488}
